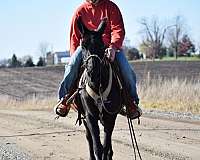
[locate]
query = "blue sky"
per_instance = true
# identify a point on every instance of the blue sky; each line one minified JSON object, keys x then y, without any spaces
{"x":24,"y":24}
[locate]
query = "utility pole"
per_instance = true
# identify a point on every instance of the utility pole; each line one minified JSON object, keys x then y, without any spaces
{"x":176,"y":46}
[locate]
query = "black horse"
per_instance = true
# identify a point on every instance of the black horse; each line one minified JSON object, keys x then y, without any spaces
{"x":101,"y":93}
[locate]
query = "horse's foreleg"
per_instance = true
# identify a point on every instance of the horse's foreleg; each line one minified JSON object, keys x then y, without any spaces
{"x":108,"y":129}
{"x":89,"y":139}
{"x":107,"y":146}
{"x":110,"y":153}
{"x":93,"y":127}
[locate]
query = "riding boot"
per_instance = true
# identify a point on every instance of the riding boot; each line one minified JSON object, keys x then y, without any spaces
{"x":133,"y":110}
{"x":63,"y":106}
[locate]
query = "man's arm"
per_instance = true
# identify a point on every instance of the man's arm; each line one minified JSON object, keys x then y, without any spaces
{"x":75,"y":35}
{"x":117,"y":28}
{"x":117,"y":32}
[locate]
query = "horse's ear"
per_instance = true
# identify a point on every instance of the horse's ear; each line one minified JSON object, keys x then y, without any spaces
{"x":81,"y":26}
{"x":102,"y":25}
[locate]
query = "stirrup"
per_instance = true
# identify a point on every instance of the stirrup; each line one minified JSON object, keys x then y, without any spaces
{"x":56,"y":107}
{"x":135,"y":115}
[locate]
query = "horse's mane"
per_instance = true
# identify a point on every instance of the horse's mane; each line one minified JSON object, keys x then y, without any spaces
{"x":93,"y":45}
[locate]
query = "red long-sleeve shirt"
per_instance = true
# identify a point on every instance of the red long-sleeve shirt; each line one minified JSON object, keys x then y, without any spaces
{"x":91,"y":15}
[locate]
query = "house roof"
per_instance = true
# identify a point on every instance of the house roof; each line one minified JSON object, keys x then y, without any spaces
{"x":62,"y":54}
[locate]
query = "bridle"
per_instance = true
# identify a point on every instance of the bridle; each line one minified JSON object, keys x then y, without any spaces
{"x":101,"y":60}
{"x":101,"y":97}
{"x":93,"y":56}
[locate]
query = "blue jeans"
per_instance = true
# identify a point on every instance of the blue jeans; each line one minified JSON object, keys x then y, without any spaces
{"x":72,"y":71}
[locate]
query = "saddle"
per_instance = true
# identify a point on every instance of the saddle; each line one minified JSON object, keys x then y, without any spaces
{"x":73,"y":98}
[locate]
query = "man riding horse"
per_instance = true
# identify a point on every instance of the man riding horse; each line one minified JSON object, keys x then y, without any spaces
{"x":92,"y":12}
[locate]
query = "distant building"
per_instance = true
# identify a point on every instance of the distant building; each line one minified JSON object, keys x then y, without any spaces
{"x":57,"y":57}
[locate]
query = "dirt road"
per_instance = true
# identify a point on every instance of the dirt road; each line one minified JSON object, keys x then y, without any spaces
{"x":39,"y":137}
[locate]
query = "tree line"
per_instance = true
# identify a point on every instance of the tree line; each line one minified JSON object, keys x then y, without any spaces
{"x":26,"y":61}
{"x":159,"y":40}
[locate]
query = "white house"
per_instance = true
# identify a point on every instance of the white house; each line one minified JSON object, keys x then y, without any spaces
{"x":58,"y":57}
{"x":61,"y":57}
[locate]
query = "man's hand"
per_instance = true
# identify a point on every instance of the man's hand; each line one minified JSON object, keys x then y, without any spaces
{"x":110,"y":54}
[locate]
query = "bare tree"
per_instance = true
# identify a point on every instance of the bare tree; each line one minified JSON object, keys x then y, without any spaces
{"x":126,"y":45}
{"x":154,"y":36}
{"x":43,"y":49}
{"x":176,"y":33}
{"x":25,"y":58}
{"x":3,"y":63}
{"x":198,"y":48}
{"x":127,"y":42}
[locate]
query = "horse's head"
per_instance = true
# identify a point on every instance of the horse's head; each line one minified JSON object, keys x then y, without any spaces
{"x":93,"y":50}
{"x":92,"y":39}
{"x":100,"y":82}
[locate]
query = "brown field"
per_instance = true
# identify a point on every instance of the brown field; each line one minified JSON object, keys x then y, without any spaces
{"x":27,"y":96}
{"x":189,"y":70}
{"x":156,"y":77}
{"x":37,"y":134}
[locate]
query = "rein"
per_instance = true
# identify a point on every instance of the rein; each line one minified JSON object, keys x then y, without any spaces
{"x":93,"y":56}
{"x":130,"y":123}
{"x":101,"y":96}
{"x":133,"y":139}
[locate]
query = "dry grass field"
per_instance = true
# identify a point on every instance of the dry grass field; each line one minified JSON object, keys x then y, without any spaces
{"x":168,"y":86}
{"x":28,"y":127}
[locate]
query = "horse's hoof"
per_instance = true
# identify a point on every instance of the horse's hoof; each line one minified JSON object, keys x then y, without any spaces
{"x":123,"y":112}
